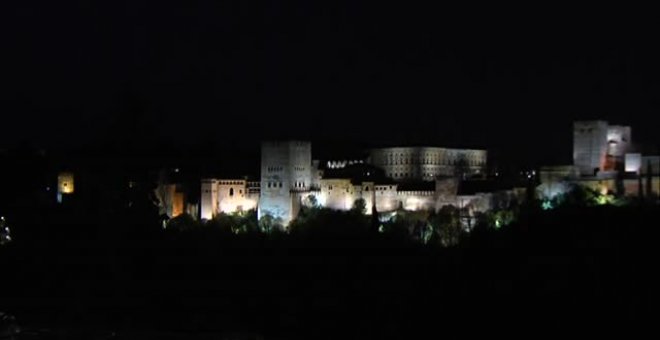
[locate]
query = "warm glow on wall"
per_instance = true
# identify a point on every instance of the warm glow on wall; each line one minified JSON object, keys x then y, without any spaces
{"x":177,"y":204}
{"x":65,"y":183}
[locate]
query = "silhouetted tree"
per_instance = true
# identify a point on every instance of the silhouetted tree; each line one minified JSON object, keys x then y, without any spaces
{"x":311,"y":201}
{"x":375,"y":220}
{"x":268,"y":223}
{"x":620,"y":188}
{"x":183,"y":222}
{"x":446,"y":223}
{"x":359,"y":206}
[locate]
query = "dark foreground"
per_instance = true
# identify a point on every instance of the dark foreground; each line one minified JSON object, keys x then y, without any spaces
{"x":572,"y":272}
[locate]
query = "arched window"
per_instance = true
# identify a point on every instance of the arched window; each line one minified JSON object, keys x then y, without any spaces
{"x":231,"y":191}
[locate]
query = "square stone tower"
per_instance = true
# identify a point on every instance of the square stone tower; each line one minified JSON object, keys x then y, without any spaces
{"x":209,"y":199}
{"x":286,"y":172}
{"x":590,"y":146}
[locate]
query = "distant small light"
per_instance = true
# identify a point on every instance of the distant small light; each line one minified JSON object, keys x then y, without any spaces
{"x":176,"y":170}
{"x":47,"y":188}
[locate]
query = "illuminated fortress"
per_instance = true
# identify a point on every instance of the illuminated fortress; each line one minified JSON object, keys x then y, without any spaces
{"x":417,"y":178}
{"x":387,"y":179}
{"x":605,"y":160}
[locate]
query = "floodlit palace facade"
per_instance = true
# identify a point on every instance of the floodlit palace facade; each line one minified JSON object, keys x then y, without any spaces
{"x":388,"y":179}
{"x":418,"y":178}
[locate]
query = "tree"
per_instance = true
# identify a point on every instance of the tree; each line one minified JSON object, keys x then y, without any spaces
{"x":447,"y":225}
{"x":359,"y":206}
{"x":311,"y":201}
{"x":248,"y":221}
{"x":268,"y":223}
{"x":183,"y":222}
{"x":375,"y":220}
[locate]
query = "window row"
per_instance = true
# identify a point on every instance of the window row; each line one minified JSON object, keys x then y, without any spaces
{"x":348,"y":190}
{"x":231,"y":192}
{"x":445,"y":161}
{"x":274,"y":184}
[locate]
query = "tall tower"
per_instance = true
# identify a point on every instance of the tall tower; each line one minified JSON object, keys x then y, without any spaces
{"x":286,"y":171}
{"x":619,"y":141}
{"x":209,"y":199}
{"x":590,"y":146}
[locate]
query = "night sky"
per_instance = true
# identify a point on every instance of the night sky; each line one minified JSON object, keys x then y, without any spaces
{"x":233,"y":73}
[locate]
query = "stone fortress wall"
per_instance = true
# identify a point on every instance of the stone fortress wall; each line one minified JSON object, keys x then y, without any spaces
{"x":290,"y":179}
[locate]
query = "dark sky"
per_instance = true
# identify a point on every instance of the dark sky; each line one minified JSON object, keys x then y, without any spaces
{"x":82,"y":72}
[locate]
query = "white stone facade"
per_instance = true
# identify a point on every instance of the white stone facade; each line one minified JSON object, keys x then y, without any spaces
{"x":634,"y":162}
{"x":226,"y":196}
{"x":427,"y":163}
{"x":589,"y":146}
